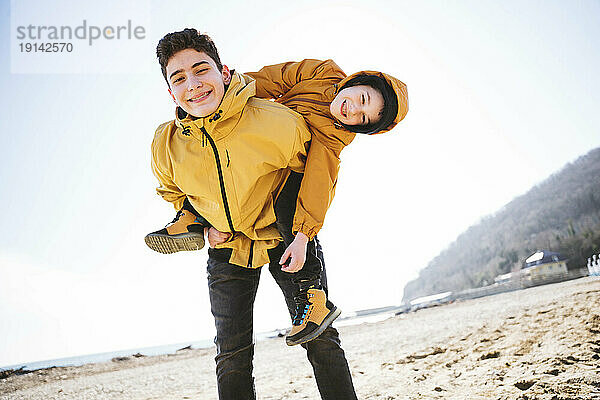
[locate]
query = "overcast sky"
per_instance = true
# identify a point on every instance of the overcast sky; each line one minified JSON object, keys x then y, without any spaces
{"x":502,"y":94}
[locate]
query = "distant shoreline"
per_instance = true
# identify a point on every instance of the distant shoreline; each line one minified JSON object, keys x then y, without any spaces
{"x":77,"y":361}
{"x":352,"y":318}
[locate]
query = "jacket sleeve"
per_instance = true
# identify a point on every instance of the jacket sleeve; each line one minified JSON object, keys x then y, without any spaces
{"x":297,"y":159}
{"x":161,"y":168}
{"x":316,"y":190}
{"x":276,"y":80}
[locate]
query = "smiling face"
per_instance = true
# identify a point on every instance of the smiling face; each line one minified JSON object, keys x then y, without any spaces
{"x":195,"y":82}
{"x":357,"y":105}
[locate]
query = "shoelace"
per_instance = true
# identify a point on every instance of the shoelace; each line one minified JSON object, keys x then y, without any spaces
{"x":179,"y":214}
{"x":302,"y":306}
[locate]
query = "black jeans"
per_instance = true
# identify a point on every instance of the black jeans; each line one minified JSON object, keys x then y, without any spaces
{"x":285,"y":208}
{"x":232,"y":290}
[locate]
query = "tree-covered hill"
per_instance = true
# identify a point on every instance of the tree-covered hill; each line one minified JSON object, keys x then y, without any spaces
{"x":560,"y":214}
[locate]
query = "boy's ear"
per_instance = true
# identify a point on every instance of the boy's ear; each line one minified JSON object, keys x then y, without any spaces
{"x":226,"y":75}
{"x":173,"y":97}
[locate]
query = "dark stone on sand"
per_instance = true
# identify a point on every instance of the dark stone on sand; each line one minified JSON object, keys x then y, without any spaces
{"x":524,"y":385}
{"x":493,"y":354}
{"x":9,"y":372}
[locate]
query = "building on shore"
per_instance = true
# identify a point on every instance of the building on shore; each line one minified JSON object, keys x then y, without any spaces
{"x":544,"y":264}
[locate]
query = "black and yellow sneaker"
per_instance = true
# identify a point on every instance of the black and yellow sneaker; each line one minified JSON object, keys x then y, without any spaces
{"x":314,"y":313}
{"x":184,"y":233}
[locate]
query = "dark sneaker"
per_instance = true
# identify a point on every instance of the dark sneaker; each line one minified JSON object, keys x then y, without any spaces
{"x":184,"y":233}
{"x":314,"y":313}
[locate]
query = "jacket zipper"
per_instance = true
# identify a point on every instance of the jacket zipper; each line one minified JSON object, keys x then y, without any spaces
{"x":251,"y":254}
{"x":221,"y":180}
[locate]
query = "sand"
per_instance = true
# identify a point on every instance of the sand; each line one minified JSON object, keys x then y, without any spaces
{"x":541,"y":343}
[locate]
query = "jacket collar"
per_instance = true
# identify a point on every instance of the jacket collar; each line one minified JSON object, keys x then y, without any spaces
{"x":220,"y":123}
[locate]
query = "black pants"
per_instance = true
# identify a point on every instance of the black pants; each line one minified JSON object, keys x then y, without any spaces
{"x":285,"y":208}
{"x":232,"y":291}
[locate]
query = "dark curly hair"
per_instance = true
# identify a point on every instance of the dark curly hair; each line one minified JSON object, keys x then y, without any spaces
{"x":188,"y":38}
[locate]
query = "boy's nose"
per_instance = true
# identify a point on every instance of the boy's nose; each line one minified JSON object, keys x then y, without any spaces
{"x":193,"y":83}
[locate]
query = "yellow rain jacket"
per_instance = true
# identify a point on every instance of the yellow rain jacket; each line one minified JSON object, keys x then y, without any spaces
{"x":231,"y":164}
{"x":308,"y":87}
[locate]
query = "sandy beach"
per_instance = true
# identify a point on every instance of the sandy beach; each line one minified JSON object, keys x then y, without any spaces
{"x":541,"y":343}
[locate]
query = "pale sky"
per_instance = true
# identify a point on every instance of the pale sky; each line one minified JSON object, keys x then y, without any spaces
{"x":502,"y":94}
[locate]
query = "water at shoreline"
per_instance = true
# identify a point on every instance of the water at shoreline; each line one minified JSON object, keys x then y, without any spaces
{"x":102,"y":357}
{"x":144,"y":351}
{"x":348,"y":319}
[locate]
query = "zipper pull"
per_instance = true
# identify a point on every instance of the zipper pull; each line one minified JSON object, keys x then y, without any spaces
{"x":215,"y":116}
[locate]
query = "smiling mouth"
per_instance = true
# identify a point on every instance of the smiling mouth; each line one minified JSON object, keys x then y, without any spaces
{"x":200,"y":97}
{"x":343,"y":109}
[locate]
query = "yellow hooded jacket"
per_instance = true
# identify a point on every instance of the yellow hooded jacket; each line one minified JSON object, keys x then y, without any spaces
{"x":308,"y":87}
{"x":231,"y":164}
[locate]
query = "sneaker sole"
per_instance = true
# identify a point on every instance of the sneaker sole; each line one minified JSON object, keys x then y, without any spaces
{"x":333,"y":314}
{"x":172,"y":244}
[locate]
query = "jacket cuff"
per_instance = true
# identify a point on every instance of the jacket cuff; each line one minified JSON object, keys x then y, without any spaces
{"x":178,"y":204}
{"x":310,"y":231}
